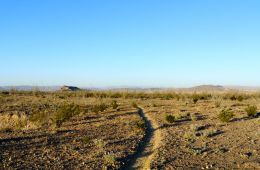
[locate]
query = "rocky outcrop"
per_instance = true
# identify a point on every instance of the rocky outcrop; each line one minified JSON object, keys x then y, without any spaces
{"x":69,"y":88}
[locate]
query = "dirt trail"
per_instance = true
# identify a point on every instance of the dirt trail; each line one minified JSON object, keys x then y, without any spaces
{"x":145,"y":154}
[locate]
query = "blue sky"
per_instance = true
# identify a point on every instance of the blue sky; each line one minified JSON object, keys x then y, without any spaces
{"x":155,"y":43}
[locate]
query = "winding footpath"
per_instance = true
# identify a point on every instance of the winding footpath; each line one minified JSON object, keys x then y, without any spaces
{"x":144,"y":156}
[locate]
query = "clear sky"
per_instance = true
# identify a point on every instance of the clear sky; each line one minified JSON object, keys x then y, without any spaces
{"x":158,"y":43}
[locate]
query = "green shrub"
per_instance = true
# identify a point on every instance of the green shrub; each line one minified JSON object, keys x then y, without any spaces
{"x":100,"y":144}
{"x":99,"y":108}
{"x":225,"y":115}
{"x":251,"y":111}
{"x":195,"y":98}
{"x":85,"y":139}
{"x":64,"y":113}
{"x":240,"y":98}
{"x":170,"y":118}
{"x":114,"y":104}
{"x":233,"y":97}
{"x":193,"y":117}
{"x":110,"y":159}
{"x":134,"y":105}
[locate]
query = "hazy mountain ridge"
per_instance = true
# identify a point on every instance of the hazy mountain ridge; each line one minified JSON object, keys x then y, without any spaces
{"x":195,"y":88}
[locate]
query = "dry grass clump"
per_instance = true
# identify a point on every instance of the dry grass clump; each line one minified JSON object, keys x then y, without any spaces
{"x":12,"y":122}
{"x":40,"y":118}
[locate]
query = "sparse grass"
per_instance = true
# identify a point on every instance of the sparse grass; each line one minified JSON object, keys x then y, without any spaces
{"x":225,"y":115}
{"x":251,"y":111}
{"x":170,"y":118}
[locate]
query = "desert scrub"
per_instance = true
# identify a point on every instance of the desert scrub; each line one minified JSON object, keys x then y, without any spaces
{"x":100,"y":144}
{"x":86,"y":139}
{"x":64,"y":113}
{"x":189,"y":136}
{"x":134,"y":105}
{"x":217,"y":103}
{"x":225,"y":115}
{"x":114,"y":104}
{"x":251,"y":111}
{"x":140,"y":125}
{"x":99,"y":108}
{"x":110,"y":160}
{"x":40,"y":118}
{"x":193,"y":117}
{"x":211,"y":133}
{"x":170,"y":118}
{"x":195,"y":98}
{"x":195,"y":127}
{"x":240,"y":98}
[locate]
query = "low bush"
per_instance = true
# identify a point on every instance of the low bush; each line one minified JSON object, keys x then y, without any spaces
{"x":114,"y":104}
{"x":225,"y":115}
{"x":64,"y":113}
{"x":134,"y":105}
{"x":99,"y":108}
{"x":193,"y":117}
{"x":140,"y":125}
{"x":170,"y":118}
{"x":251,"y":111}
{"x":195,"y":99}
{"x":85,"y":139}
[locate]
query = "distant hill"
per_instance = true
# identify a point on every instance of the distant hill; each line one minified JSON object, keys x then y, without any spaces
{"x":208,"y":88}
{"x":30,"y":88}
{"x":69,"y":88}
{"x":72,"y":88}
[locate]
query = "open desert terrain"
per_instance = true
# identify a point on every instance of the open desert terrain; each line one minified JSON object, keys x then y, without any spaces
{"x":129,"y":130}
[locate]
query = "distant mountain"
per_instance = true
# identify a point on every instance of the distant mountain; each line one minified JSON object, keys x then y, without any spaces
{"x":243,"y":88}
{"x":72,"y":88}
{"x":30,"y":88}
